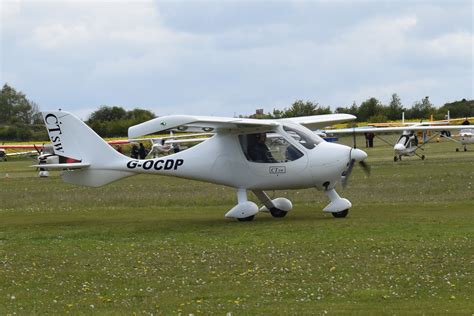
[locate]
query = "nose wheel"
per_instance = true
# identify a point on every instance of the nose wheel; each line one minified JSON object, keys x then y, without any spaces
{"x":276,"y":212}
{"x":341,"y":214}
{"x":246,"y":219}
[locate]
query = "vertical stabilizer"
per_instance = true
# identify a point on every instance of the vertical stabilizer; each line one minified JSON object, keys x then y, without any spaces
{"x":72,"y":138}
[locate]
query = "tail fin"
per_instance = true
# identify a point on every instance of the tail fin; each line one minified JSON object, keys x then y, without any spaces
{"x":72,"y":138}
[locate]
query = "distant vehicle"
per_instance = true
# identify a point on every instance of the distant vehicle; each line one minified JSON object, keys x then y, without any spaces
{"x":237,"y":155}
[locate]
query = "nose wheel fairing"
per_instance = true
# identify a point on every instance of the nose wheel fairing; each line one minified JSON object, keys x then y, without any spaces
{"x":337,"y":203}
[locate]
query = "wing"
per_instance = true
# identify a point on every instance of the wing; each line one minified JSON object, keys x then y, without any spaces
{"x":359,"y":130}
{"x":199,"y":123}
{"x":22,"y":153}
{"x":217,"y":124}
{"x":320,"y":121}
{"x":118,"y":142}
{"x":13,"y":146}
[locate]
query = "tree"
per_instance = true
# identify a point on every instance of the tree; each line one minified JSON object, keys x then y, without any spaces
{"x":140,"y":115}
{"x":395,"y":108}
{"x":421,"y":110}
{"x":108,"y":113}
{"x":308,"y":108}
{"x":463,"y":108}
{"x":370,"y":107}
{"x":354,"y":109}
{"x":15,"y":107}
{"x":114,"y":121}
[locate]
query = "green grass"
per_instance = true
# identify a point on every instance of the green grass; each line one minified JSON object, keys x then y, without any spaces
{"x":151,"y":244}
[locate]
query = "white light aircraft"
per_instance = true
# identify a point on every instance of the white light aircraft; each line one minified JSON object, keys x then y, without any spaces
{"x":407,"y":144}
{"x":466,"y":137}
{"x":165,"y":144}
{"x":236,"y":156}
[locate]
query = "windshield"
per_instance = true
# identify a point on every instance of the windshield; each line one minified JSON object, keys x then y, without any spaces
{"x":268,"y":148}
{"x":302,"y":135}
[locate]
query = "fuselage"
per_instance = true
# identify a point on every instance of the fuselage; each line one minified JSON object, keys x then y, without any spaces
{"x":466,"y":136}
{"x":406,"y":145}
{"x":222,"y":160}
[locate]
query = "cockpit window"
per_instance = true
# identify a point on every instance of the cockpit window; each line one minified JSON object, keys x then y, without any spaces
{"x":408,"y":140}
{"x":268,"y":148}
{"x":308,"y":140}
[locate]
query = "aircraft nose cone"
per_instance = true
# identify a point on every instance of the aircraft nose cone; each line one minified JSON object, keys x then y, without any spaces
{"x":399,"y":147}
{"x":358,"y":155}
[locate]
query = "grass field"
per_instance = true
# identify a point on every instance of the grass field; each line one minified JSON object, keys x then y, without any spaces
{"x":157,"y":245}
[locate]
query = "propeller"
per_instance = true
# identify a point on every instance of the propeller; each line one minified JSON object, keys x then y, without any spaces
{"x":359,"y":156}
{"x":37,"y":150}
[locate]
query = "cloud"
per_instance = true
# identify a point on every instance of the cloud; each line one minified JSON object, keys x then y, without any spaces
{"x":221,"y":58}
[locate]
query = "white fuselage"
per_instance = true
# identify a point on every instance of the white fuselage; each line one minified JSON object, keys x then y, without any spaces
{"x":466,"y":136}
{"x":221,"y":160}
{"x":406,"y":144}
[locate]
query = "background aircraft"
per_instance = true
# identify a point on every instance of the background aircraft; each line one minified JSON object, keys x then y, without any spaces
{"x":12,"y":150}
{"x":408,"y":143}
{"x":237,"y":155}
{"x":466,"y":137}
{"x":43,"y":153}
{"x":172,"y":143}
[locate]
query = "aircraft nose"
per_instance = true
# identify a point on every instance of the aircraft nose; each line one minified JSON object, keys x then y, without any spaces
{"x":399,"y":147}
{"x":358,"y":154}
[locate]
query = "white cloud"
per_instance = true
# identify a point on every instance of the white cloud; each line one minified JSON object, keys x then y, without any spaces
{"x":233,"y":57}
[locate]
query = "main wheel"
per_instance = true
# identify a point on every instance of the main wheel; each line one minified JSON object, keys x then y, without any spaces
{"x":341,"y":214}
{"x":465,"y":149}
{"x":395,"y":158}
{"x":276,"y":212}
{"x":422,"y":157}
{"x":457,"y":149}
{"x":246,"y":219}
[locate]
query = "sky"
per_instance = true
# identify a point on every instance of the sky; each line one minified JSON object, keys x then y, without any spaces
{"x":225,"y":58}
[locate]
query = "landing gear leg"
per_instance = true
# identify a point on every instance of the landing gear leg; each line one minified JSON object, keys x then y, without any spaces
{"x":245,"y":210}
{"x":338,"y":207}
{"x":278,"y":207}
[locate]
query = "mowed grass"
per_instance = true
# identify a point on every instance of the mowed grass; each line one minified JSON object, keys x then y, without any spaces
{"x":158,"y":245}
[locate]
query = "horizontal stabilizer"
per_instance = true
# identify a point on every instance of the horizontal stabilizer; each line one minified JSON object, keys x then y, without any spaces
{"x":93,"y":178}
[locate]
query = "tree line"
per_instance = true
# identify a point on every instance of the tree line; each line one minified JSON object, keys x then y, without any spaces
{"x":372,"y":110}
{"x":20,"y":118}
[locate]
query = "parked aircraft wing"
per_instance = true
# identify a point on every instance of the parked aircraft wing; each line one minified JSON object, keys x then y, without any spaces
{"x":394,"y":129}
{"x":18,"y":146}
{"x":22,"y":153}
{"x":320,"y":121}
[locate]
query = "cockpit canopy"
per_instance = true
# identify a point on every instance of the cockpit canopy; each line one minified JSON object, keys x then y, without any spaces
{"x":278,"y":146}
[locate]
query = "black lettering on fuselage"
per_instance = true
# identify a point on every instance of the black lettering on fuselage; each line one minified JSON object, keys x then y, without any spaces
{"x":169,"y":164}
{"x":178,"y":163}
{"x":159,"y":164}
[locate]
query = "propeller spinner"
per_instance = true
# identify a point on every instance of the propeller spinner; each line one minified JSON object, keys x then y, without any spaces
{"x":356,"y":155}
